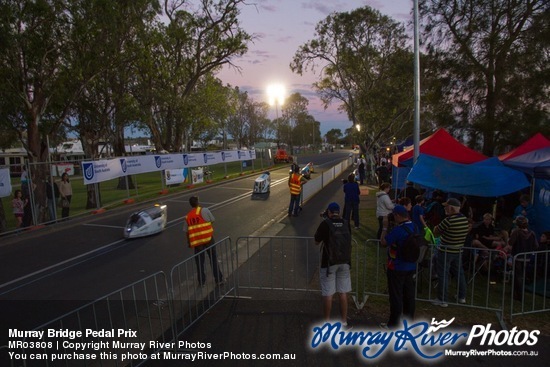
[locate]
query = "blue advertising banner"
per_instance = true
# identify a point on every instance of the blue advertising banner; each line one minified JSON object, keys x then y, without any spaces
{"x":108,"y":169}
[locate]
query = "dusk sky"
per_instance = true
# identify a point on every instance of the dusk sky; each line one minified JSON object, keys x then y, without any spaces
{"x":280,"y":27}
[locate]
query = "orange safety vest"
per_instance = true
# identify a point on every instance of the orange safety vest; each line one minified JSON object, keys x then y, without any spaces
{"x":295,"y":184}
{"x":200,"y":232}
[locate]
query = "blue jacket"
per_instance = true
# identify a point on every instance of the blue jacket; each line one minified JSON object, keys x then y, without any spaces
{"x":351,"y":192}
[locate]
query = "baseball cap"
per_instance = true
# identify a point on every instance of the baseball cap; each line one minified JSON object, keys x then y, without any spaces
{"x":400,"y":210}
{"x":333,"y":207}
{"x":452,"y":202}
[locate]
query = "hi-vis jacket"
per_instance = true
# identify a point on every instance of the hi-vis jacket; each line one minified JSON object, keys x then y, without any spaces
{"x":295,"y":184}
{"x":200,"y":231}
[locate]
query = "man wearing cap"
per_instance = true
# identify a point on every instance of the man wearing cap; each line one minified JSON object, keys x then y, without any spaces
{"x":334,"y":278}
{"x":200,"y":235}
{"x":400,"y":273}
{"x":453,"y":231}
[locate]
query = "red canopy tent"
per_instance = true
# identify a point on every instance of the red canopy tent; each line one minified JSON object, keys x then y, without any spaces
{"x":538,"y":141}
{"x":441,"y":145}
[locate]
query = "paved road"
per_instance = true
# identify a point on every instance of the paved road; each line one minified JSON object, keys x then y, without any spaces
{"x":52,"y":271}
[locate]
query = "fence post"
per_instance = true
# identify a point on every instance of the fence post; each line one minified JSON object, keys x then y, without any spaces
{"x":97,"y":196}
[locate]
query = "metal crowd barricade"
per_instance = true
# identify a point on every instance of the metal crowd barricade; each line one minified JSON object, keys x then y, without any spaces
{"x":142,"y":306}
{"x":284,"y":264}
{"x":486,"y":273}
{"x":191,"y":301}
{"x":277,"y":263}
{"x":530,"y":283}
{"x":370,"y":272}
{"x":486,"y":278}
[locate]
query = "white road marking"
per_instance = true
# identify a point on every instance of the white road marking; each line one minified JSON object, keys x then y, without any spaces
{"x":103,"y":248}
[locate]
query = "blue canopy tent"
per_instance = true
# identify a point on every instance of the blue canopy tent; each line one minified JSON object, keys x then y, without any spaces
{"x":536,"y":164}
{"x":440,"y":144}
{"x":488,"y":178}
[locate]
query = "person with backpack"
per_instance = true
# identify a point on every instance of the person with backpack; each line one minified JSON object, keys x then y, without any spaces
{"x":400,"y":268}
{"x":334,"y":234}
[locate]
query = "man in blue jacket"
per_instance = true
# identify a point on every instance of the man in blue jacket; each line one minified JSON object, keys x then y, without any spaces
{"x":400,"y":273}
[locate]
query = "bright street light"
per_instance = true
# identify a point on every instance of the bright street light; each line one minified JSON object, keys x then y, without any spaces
{"x":276,"y":96}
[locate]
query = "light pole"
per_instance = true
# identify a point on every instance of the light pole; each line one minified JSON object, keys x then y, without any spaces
{"x":276,"y":96}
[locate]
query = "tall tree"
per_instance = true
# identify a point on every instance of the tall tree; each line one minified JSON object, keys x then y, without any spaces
{"x":365,"y":66}
{"x":196,"y":41}
{"x":333,"y":135}
{"x":293,"y":109}
{"x":241,"y":116}
{"x":492,"y":65}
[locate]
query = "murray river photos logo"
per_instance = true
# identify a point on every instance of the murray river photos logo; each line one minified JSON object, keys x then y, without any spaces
{"x":426,"y":341}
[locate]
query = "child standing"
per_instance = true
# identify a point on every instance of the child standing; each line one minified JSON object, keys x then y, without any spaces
{"x":18,"y":207}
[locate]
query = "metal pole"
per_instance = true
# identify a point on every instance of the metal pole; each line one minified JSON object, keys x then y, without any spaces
{"x":52,"y":183}
{"x":416,"y":133}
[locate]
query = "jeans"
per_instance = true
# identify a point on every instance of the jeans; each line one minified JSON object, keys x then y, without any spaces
{"x":401,"y":290}
{"x":380,"y":224}
{"x":351,"y":209}
{"x":294,"y":205}
{"x":199,"y":261}
{"x":449,"y":262}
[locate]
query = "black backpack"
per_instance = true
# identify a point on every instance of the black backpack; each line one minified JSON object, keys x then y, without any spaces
{"x":414,"y":248}
{"x":339,"y":243}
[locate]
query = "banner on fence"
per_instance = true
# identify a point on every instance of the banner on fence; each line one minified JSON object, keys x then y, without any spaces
{"x":60,"y":168}
{"x":176,"y":176}
{"x":108,"y":169}
{"x":197,"y":176}
{"x":5,"y":182}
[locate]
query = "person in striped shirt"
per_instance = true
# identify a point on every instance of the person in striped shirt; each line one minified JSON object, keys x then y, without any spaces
{"x":453,"y":231}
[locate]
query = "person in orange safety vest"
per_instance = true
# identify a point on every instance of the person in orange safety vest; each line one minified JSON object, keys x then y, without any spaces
{"x":200,"y":236}
{"x":295,"y":182}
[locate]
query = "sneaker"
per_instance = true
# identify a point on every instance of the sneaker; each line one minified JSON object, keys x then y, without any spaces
{"x":439,"y":303}
{"x":462,"y":300}
{"x":384,"y":326}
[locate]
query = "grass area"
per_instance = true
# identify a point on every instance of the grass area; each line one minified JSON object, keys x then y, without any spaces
{"x":368,"y":274}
